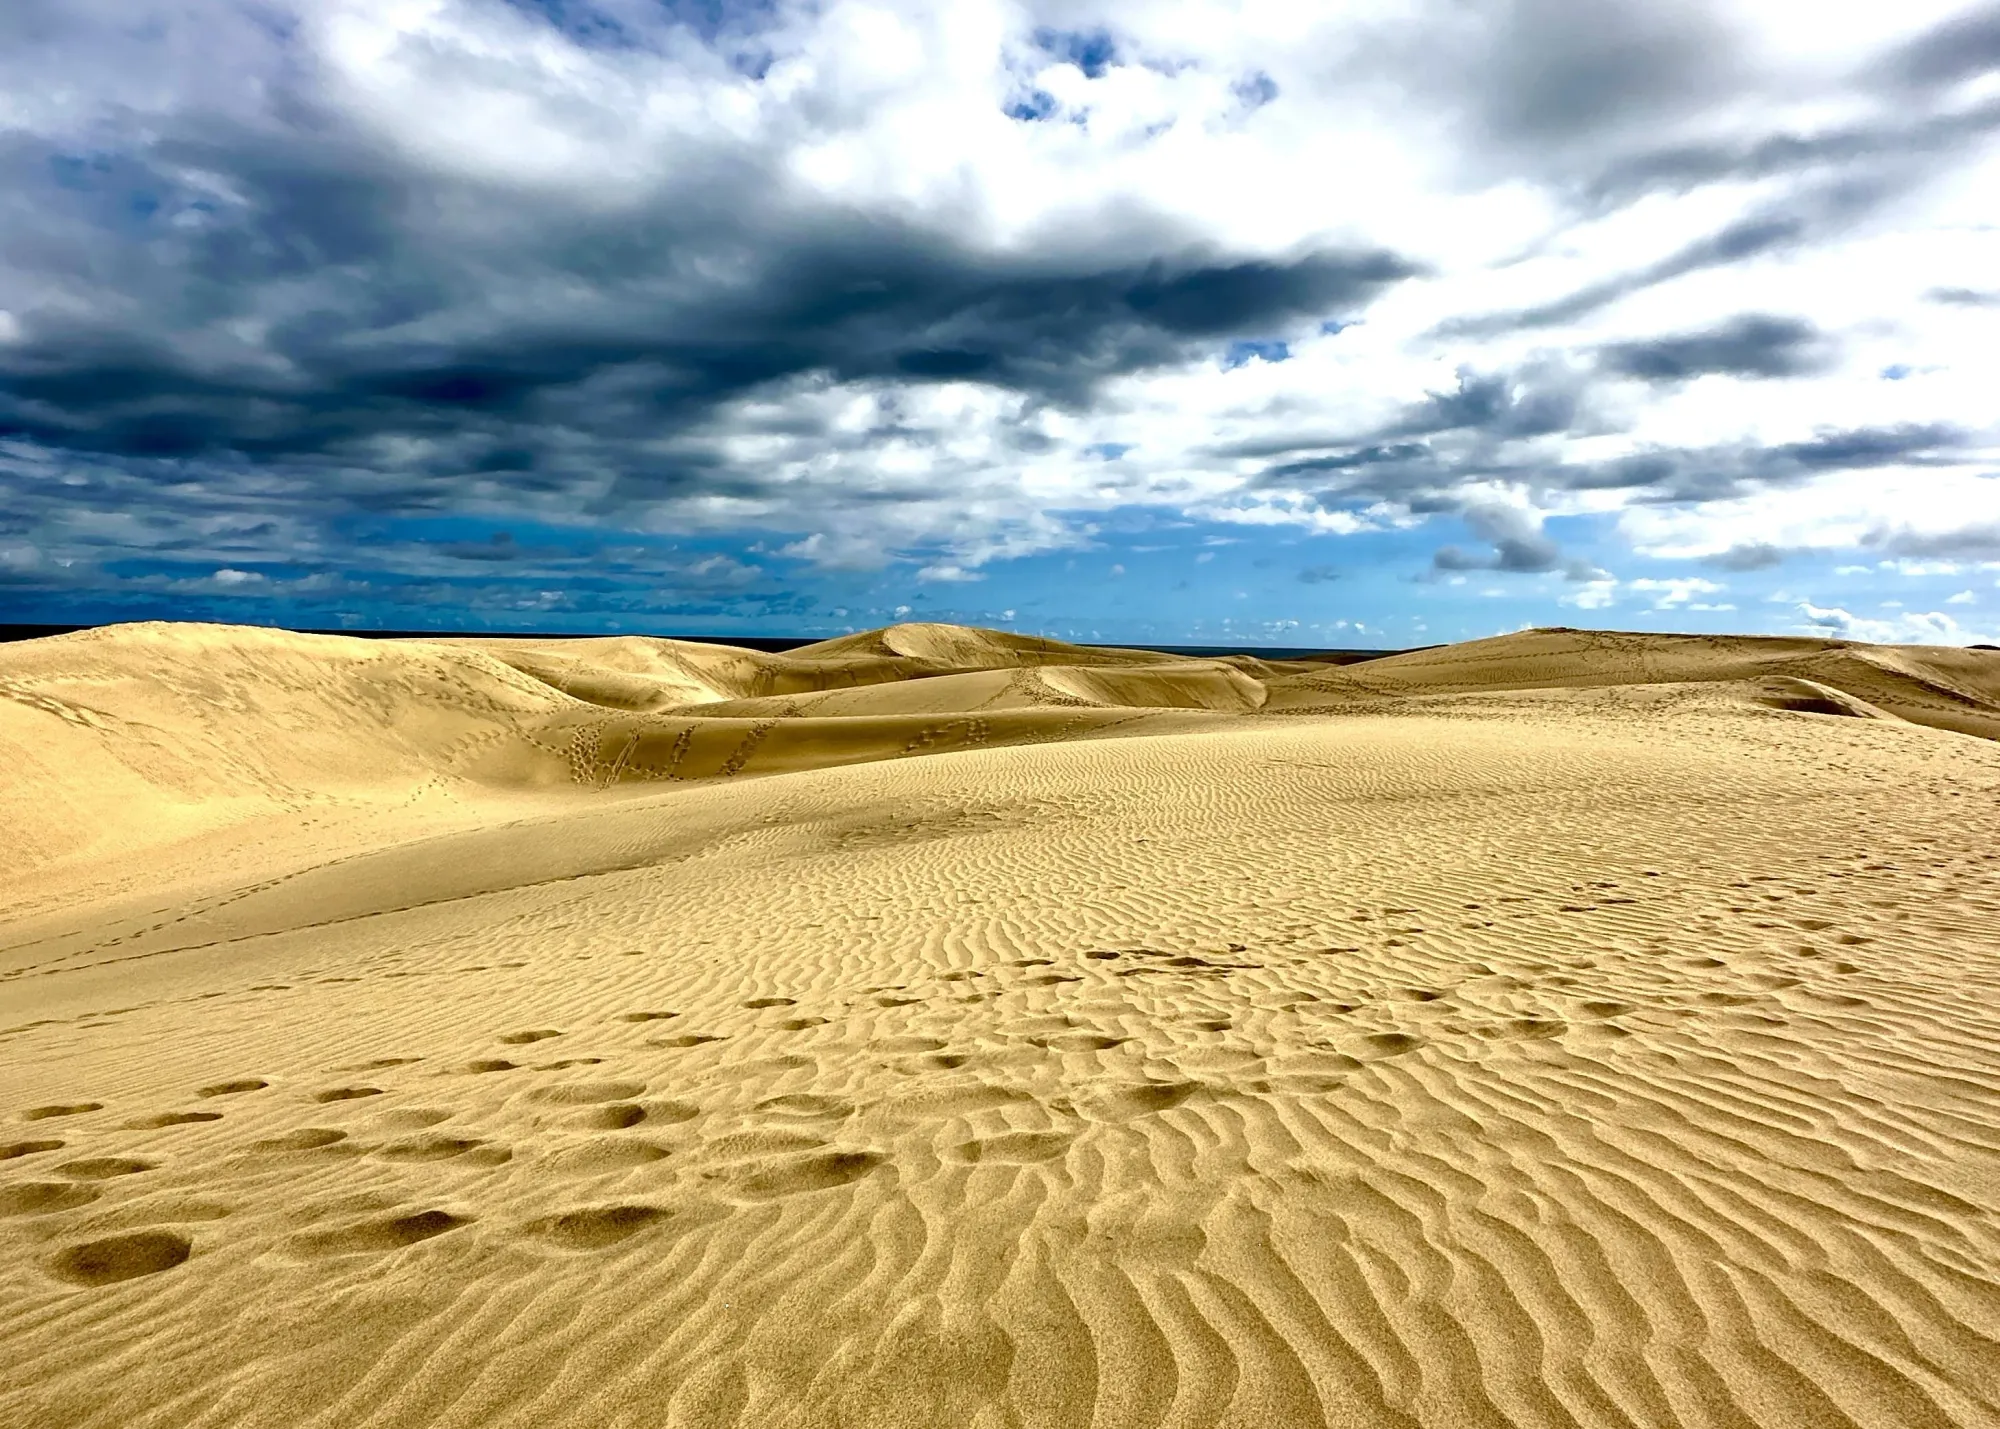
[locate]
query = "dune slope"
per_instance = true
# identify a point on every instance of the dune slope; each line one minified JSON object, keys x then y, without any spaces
{"x":1554,"y":1030}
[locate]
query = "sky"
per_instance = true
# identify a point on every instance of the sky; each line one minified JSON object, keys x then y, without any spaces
{"x":1206,"y":322}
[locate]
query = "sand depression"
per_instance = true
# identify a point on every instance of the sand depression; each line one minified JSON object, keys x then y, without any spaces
{"x":935,"y":1027}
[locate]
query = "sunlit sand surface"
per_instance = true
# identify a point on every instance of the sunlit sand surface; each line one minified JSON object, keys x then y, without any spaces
{"x":934,"y":1027}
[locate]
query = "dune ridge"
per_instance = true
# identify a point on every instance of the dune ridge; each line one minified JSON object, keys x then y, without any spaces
{"x":1572,"y":1028}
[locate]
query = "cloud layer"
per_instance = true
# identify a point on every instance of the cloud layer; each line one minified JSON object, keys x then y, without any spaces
{"x":602,"y":311}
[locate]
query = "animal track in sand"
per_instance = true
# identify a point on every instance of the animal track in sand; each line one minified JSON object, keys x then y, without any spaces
{"x":120,"y":1257}
{"x":12,"y":1149}
{"x":346,"y":1094}
{"x":647,"y":1016}
{"x":386,"y":1233}
{"x":379,"y":1064}
{"x":490,"y":1064}
{"x":308,"y":1138}
{"x":103,"y":1168}
{"x":800,"y":1024}
{"x":594,"y":1227}
{"x":686,"y":1039}
{"x":761,"y":1002}
{"x":44,"y":1113}
{"x":820,"y":1172}
{"x":235,"y":1088}
{"x":171,"y":1118}
{"x":522,"y":1039}
{"x":1013,"y":1146}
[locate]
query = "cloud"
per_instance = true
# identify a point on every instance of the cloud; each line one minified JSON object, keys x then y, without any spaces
{"x":1319,"y":575}
{"x":1756,"y":556}
{"x":1674,"y":591}
{"x":1754,"y":345}
{"x":1906,"y":628}
{"x":844,"y":293}
{"x":1515,"y":534}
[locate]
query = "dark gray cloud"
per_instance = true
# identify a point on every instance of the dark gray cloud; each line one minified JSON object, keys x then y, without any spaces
{"x":1889,"y":139}
{"x":1751,"y":237}
{"x":1753,"y":345}
{"x":1756,"y":556}
{"x":408,"y":340}
{"x":1533,"y":402}
{"x":1519,"y":544}
{"x":1960,"y":48}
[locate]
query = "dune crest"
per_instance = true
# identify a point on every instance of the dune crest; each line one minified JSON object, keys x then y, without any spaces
{"x":1570,"y":1028}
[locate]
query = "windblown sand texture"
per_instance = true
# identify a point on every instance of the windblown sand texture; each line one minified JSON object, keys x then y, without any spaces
{"x":935,"y":1027}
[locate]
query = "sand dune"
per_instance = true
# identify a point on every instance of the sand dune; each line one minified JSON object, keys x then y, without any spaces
{"x":1572,"y":1028}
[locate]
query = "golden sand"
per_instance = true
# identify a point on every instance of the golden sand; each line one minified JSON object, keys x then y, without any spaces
{"x":935,"y":1027}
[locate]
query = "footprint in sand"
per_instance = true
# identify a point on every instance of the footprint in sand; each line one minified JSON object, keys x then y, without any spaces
{"x":490,"y":1064}
{"x":307,"y":1138}
{"x":800,"y":1024}
{"x":386,"y":1233}
{"x":235,"y":1088}
{"x":586,"y":1093}
{"x":806,"y":1106}
{"x":171,"y":1118}
{"x":594,"y":1227}
{"x":428,"y":1148}
{"x":819,"y":1172}
{"x":647,"y":1016}
{"x":44,"y":1113}
{"x":120,"y":1257}
{"x":594,"y":1158}
{"x":42,"y":1198}
{"x":346,"y":1094}
{"x":761,"y":1002}
{"x":1013,"y":1147}
{"x":686,"y":1039}
{"x":1141,"y":1099}
{"x":616,"y":1116}
{"x":1080,"y":1042}
{"x":103,"y":1168}
{"x":12,"y":1149}
{"x":522,"y":1039}
{"x":1525,"y":1029}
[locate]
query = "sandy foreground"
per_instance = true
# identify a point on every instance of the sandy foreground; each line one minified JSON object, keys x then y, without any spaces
{"x":934,"y":1027}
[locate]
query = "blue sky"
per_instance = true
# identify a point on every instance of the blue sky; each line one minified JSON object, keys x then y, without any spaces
{"x":1201,"y":323}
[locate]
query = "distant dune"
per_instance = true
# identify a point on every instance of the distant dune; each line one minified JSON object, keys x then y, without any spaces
{"x":1571,"y":1027}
